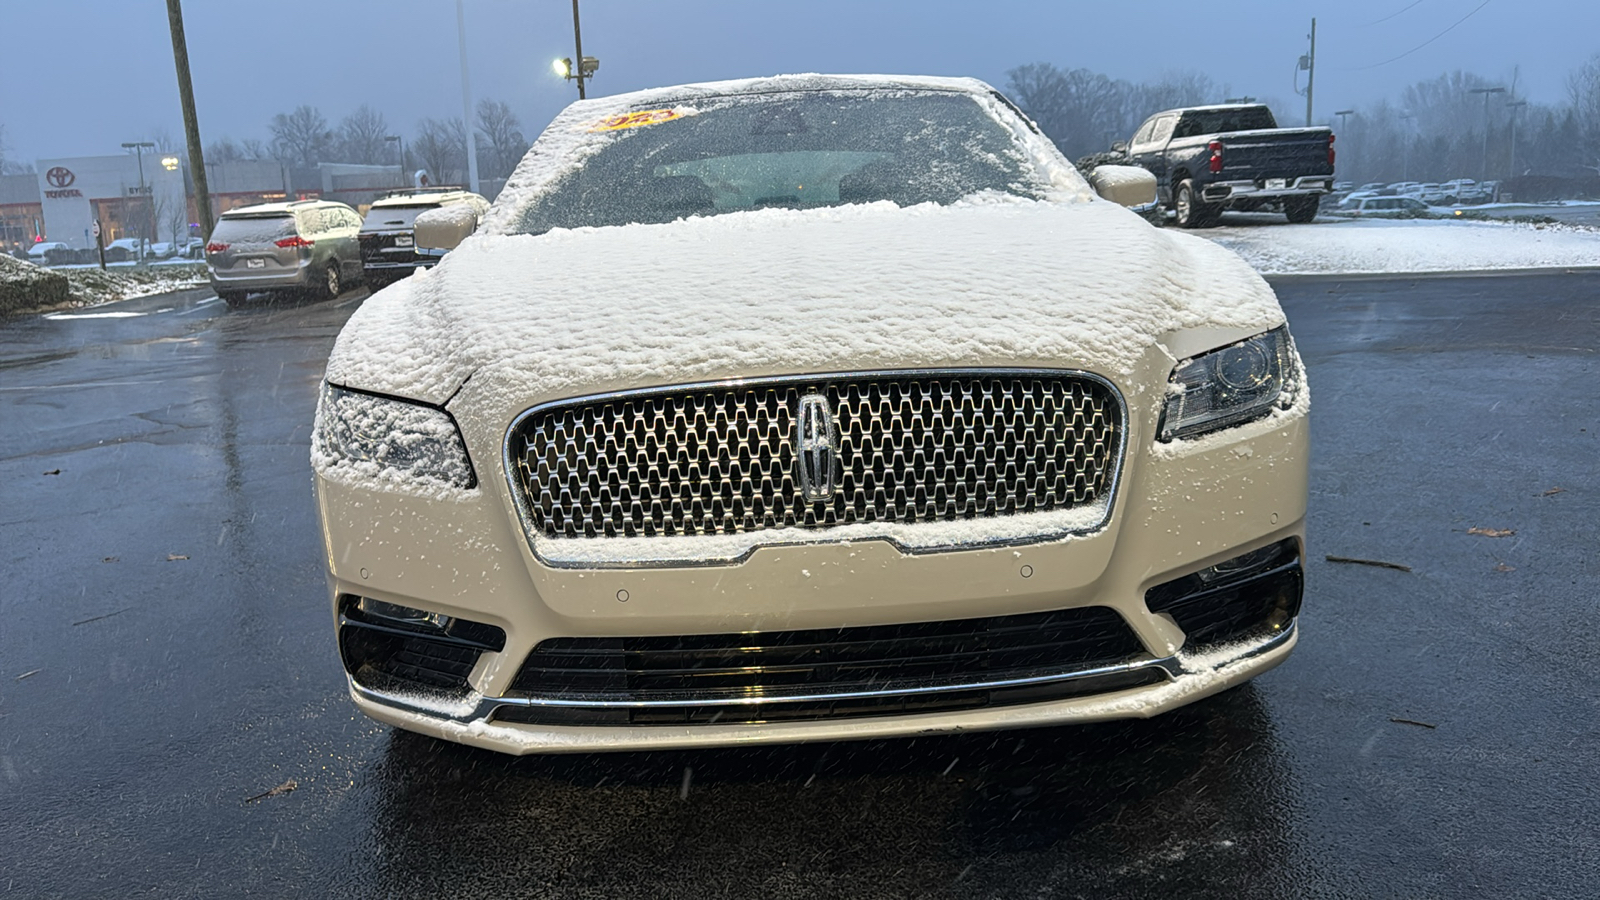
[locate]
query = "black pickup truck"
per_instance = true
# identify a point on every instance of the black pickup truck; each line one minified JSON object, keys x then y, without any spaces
{"x":1210,"y":158}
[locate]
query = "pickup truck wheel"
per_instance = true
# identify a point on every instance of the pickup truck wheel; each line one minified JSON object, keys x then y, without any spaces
{"x":1300,"y":210}
{"x":1192,"y":211}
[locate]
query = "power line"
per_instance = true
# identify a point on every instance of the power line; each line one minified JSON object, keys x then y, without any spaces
{"x":1391,"y":15}
{"x":1426,"y":42}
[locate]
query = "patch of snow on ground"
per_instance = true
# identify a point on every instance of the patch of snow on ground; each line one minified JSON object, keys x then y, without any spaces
{"x":1407,"y":246}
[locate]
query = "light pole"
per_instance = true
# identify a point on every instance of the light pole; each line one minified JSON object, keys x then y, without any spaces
{"x":1486,"y":92}
{"x":402,"y":158}
{"x":1515,"y":107}
{"x":1405,"y":145}
{"x":466,"y":101}
{"x":144,"y":228}
{"x":587,"y":65}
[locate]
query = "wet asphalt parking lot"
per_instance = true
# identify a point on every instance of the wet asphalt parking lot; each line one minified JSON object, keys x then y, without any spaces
{"x":167,"y":659}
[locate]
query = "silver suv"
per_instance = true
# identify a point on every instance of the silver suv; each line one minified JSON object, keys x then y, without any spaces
{"x":306,"y":245}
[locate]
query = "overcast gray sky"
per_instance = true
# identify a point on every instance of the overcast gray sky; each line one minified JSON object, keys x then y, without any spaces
{"x":84,"y":75}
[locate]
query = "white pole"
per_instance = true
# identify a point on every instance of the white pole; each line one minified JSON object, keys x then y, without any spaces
{"x":466,"y":101}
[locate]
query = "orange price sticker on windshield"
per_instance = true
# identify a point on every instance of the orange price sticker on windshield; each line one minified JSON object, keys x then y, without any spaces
{"x":635,"y":119}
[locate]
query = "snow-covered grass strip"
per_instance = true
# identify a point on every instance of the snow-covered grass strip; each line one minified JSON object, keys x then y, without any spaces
{"x":1406,"y":246}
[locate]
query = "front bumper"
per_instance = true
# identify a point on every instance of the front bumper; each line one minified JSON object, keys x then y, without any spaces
{"x":1183,"y":507}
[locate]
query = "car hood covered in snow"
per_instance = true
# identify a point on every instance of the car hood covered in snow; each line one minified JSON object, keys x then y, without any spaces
{"x":986,"y":282}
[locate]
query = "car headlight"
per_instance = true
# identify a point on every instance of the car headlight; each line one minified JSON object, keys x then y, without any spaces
{"x":1230,"y":385}
{"x":388,"y":439}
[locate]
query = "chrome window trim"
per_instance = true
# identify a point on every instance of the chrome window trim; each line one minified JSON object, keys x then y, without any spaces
{"x":483,"y":708}
{"x":807,"y":536}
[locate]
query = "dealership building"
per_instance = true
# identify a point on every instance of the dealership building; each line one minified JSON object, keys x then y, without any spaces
{"x":147,"y":195}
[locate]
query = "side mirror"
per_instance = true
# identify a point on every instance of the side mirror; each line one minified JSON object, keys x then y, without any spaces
{"x":444,"y":228}
{"x":1119,"y":147}
{"x":1128,"y":186}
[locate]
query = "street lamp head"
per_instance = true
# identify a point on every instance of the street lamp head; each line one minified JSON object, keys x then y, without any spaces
{"x":170,"y":163}
{"x":588,"y":66}
{"x":562,"y":67}
{"x":1493,"y":90}
{"x":1344,"y":112}
{"x":129,"y":145}
{"x":391,"y":137}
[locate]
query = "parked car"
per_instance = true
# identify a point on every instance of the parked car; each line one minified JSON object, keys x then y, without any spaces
{"x":388,"y":251}
{"x":1374,"y":186}
{"x":1391,"y":207}
{"x":50,"y":253}
{"x":725,"y":427}
{"x":124,"y":249}
{"x":1430,"y":193}
{"x":1354,"y":197}
{"x":1234,"y":156}
{"x":301,"y":246}
{"x":1344,"y":186}
{"x":1464,"y":191}
{"x":1402,"y":188}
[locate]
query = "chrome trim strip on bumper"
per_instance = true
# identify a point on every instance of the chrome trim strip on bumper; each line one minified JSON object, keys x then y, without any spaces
{"x":792,"y":536}
{"x":1305,"y":184}
{"x":482,"y":708}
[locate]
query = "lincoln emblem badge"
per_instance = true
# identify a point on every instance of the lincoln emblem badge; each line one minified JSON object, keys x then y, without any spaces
{"x":815,"y":447}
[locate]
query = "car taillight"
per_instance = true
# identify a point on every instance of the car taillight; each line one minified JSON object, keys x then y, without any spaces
{"x":216,"y":247}
{"x":1330,"y":151}
{"x":1216,"y":155}
{"x":296,"y":241}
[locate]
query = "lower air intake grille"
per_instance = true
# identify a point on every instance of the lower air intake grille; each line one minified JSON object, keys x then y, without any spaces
{"x":780,"y":674}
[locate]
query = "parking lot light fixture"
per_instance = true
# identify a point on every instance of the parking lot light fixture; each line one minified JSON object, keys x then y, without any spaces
{"x":138,"y":147}
{"x":401,"y":159}
{"x":563,"y":67}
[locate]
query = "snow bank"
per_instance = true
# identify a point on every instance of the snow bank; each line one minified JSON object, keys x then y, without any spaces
{"x":1406,"y":246}
{"x":25,"y":288}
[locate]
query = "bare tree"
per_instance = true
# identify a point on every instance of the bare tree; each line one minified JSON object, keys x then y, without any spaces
{"x":222,"y":151}
{"x":9,"y":166}
{"x":1084,"y":111}
{"x":255,"y":148}
{"x":499,"y":138}
{"x":162,"y":137}
{"x":361,"y":137}
{"x":1583,"y":87}
{"x":301,"y":137}
{"x":441,"y":146}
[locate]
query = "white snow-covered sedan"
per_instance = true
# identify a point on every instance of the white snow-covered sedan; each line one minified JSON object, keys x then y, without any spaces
{"x":808,"y":408}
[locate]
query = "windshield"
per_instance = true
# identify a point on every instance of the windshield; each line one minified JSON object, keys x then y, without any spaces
{"x":385,"y":218}
{"x":253,"y":229}
{"x":796,"y":151}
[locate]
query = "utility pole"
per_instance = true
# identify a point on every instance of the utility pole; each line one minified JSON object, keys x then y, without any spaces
{"x":191,"y":126}
{"x":1311,"y":70}
{"x":1486,"y":92}
{"x":466,"y":101}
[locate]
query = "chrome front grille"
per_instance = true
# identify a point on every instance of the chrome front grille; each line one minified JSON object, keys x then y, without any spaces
{"x":726,"y":459}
